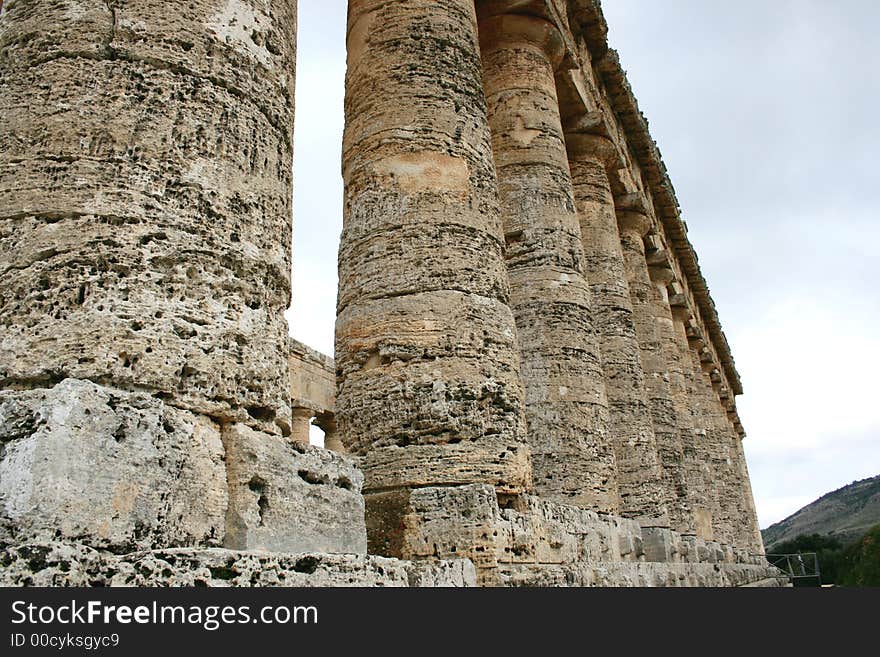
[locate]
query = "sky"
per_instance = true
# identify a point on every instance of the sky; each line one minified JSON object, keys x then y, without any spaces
{"x":764,"y":112}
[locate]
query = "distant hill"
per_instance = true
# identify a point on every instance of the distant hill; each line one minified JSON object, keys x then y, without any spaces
{"x":846,"y":514}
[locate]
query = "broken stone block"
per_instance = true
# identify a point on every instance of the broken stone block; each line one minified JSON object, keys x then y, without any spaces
{"x":291,"y":497}
{"x":112,"y":470}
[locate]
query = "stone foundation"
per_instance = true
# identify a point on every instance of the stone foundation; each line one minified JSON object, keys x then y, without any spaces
{"x":121,"y":471}
{"x":61,"y":564}
{"x":530,"y":541}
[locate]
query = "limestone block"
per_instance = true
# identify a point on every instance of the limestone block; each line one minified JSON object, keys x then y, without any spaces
{"x":630,"y":543}
{"x":659,"y":544}
{"x":59,"y":564}
{"x":291,"y":497}
{"x":110,"y":469}
{"x":518,"y":536}
{"x":51,"y":564}
{"x":436,"y":523}
{"x":312,"y":379}
{"x":649,"y":574}
{"x":560,"y":533}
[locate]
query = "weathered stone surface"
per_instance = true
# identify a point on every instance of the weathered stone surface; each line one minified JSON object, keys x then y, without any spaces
{"x":491,"y":461}
{"x":643,"y":575}
{"x":670,"y":356}
{"x":749,"y":530}
{"x":696,"y":443}
{"x":113,"y":470}
{"x":60,"y":564}
{"x":145,"y":160}
{"x":538,"y":542}
{"x":633,"y":227}
{"x":290,"y":497}
{"x":639,"y":474}
{"x":312,"y":379}
{"x":425,"y":342}
{"x":566,"y":406}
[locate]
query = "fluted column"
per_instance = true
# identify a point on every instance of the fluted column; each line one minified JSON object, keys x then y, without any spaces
{"x":633,"y":227}
{"x":566,"y":405}
{"x":698,"y":457}
{"x":428,"y":386}
{"x":632,"y":433}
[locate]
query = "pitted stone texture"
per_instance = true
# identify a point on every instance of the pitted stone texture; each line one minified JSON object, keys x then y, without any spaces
{"x":632,"y":434}
{"x":433,"y":369}
{"x":291,"y":497}
{"x":542,"y":531}
{"x":426,"y":349}
{"x":749,"y":532}
{"x":432,"y":526}
{"x":566,"y":406}
{"x":312,"y":379}
{"x":537,"y":542}
{"x":697,"y":455}
{"x":661,"y":403}
{"x":113,"y":470}
{"x":492,"y":461}
{"x":642,"y":575}
{"x":59,"y":564}
{"x":145,"y":153}
{"x":670,"y":352}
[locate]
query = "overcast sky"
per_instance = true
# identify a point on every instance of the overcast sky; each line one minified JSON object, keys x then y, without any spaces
{"x":765,"y":112}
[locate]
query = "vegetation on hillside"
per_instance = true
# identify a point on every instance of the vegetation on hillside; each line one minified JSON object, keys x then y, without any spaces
{"x":846,"y":513}
{"x":857,"y":564}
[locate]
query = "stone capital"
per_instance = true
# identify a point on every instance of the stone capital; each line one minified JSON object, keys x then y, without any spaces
{"x":506,"y":30}
{"x":633,"y":222}
{"x":679,"y":299}
{"x":581,"y":145}
{"x":661,"y":276}
{"x":632,"y":202}
{"x":679,"y":313}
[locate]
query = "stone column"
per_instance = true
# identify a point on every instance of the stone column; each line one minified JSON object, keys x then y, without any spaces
{"x":715,"y":452}
{"x":332,"y":440}
{"x":301,"y":425}
{"x":751,"y":537}
{"x":633,"y":227}
{"x":697,"y":453}
{"x":662,"y":275}
{"x":428,"y":372}
{"x":740,"y":504}
{"x":632,"y":434}
{"x":145,"y":233}
{"x":146,"y":201}
{"x":566,"y":405}
{"x":730,"y":486}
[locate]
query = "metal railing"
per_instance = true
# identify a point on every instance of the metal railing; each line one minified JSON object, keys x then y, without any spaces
{"x":802,"y":569}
